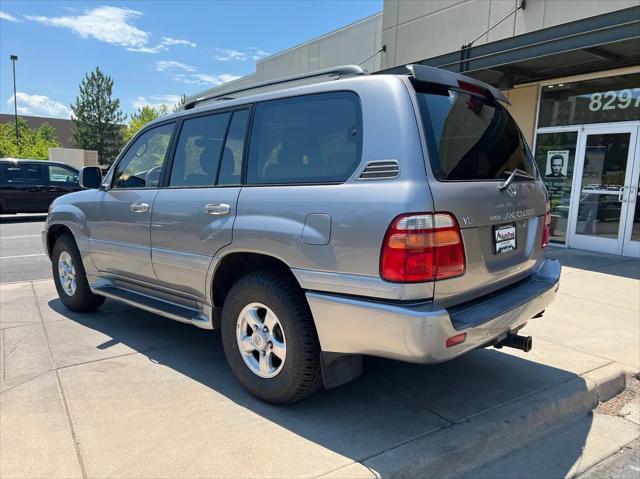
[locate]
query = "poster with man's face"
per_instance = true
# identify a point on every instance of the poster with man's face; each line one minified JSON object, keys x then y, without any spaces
{"x":557,"y":164}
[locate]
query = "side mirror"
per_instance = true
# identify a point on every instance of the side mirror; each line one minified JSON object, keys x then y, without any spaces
{"x":90,"y":177}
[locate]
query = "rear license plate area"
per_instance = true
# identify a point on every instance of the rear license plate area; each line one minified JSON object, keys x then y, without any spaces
{"x":504,"y":238}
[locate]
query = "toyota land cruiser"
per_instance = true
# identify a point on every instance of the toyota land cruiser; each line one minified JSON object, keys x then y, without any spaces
{"x":399,"y":216}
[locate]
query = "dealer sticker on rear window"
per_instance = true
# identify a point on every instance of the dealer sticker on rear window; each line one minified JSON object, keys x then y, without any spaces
{"x":504,"y":238}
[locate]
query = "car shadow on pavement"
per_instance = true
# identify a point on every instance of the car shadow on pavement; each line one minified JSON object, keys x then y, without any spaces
{"x":391,"y":404}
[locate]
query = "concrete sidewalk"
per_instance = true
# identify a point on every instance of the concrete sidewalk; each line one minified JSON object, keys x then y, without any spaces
{"x":124,"y":393}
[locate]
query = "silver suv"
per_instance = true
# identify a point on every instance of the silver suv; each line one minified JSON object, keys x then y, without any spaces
{"x":399,"y":216}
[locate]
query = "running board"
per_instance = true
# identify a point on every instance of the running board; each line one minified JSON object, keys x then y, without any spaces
{"x":157,"y":306}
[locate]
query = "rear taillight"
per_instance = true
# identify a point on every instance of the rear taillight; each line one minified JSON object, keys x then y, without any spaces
{"x":546,"y":228}
{"x":422,"y":247}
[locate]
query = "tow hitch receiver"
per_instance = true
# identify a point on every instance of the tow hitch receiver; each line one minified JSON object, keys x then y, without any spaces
{"x":523,"y":343}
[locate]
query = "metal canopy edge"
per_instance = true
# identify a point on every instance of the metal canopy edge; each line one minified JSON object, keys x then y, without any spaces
{"x":581,"y":35}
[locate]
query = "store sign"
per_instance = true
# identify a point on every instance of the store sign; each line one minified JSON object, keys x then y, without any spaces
{"x":601,"y":100}
{"x":612,"y":100}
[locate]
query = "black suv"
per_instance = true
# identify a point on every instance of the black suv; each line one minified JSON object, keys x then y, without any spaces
{"x":29,"y":186}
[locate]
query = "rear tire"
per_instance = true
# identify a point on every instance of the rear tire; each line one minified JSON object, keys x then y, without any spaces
{"x":277,"y":301}
{"x":70,"y":277}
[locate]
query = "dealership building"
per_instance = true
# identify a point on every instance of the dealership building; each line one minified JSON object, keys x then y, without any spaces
{"x":570,"y":68}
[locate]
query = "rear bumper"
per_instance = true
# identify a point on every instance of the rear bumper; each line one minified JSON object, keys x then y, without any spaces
{"x":418,"y":332}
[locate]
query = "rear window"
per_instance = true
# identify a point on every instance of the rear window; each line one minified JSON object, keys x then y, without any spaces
{"x":307,"y":139}
{"x":471,"y":138}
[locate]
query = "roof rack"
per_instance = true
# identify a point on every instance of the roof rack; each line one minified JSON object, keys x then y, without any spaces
{"x":339,"y":71}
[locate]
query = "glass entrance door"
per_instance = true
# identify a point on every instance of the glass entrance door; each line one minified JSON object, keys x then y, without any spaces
{"x":631,"y":243}
{"x":606,"y":190}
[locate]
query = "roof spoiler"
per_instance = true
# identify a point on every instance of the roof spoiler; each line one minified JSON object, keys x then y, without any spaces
{"x":438,"y":76}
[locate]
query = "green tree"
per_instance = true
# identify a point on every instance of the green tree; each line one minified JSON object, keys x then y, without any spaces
{"x":140,"y":118}
{"x":8,"y":147}
{"x":32,"y":144}
{"x":47,"y":132}
{"x":97,"y":118}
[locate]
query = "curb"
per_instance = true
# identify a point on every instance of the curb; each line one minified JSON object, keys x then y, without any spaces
{"x":608,"y":381}
{"x":451,"y":451}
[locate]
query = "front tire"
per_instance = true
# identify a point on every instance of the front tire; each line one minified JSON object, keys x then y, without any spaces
{"x":269,"y":338}
{"x":70,"y":277}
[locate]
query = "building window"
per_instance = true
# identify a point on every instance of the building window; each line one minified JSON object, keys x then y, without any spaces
{"x":601,"y":100}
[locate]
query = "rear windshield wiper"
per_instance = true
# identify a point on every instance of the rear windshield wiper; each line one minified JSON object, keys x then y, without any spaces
{"x":512,"y":174}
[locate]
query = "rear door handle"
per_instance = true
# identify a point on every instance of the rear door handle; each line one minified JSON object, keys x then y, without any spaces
{"x":217,"y":209}
{"x":139,"y":207}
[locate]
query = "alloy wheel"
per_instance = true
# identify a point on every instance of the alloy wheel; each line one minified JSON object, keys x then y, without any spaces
{"x":261,"y":340}
{"x":67,"y":273}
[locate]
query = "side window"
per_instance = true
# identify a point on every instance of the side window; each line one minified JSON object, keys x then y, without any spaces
{"x":141,"y":167}
{"x":306,"y":139}
{"x":60,"y":174}
{"x":198,"y":153}
{"x":25,"y":174}
{"x":231,"y":164}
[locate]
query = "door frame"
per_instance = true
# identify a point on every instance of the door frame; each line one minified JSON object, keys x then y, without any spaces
{"x":629,"y":247}
{"x":588,"y":242}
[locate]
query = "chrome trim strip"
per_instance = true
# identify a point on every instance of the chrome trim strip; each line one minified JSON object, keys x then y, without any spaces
{"x":180,"y":259}
{"x":360,"y":285}
{"x":345,"y":283}
{"x":118,"y":248}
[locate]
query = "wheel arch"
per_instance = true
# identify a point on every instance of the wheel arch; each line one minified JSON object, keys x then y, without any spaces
{"x":54,"y":232}
{"x":233,"y":266}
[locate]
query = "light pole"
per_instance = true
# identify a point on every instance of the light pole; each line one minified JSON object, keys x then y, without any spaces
{"x":14,"y":59}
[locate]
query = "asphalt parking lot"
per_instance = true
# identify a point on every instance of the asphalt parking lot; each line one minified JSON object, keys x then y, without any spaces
{"x":21,"y":254}
{"x":125,"y":393}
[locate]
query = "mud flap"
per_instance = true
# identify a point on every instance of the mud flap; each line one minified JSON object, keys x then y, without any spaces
{"x":338,"y":368}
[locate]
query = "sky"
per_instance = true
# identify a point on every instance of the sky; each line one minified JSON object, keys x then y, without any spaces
{"x":154,"y":50}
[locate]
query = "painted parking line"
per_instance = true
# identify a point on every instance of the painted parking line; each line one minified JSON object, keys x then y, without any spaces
{"x":22,"y":256}
{"x":17,"y":237}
